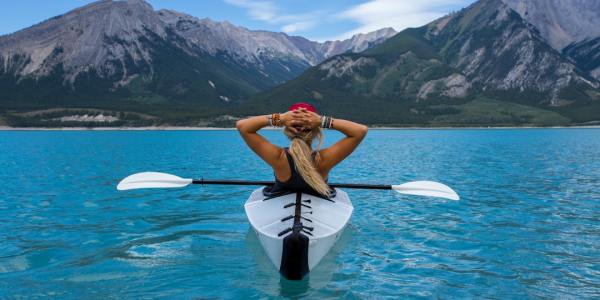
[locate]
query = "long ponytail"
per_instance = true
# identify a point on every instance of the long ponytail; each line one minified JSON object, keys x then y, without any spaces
{"x":301,"y":152}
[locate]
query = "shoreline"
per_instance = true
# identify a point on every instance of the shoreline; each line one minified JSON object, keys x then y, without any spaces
{"x":186,"y":128}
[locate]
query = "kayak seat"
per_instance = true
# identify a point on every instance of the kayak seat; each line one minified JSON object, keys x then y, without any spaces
{"x":270,"y":193}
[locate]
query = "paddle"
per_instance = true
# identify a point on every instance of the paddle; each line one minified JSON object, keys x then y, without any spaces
{"x":146,"y":180}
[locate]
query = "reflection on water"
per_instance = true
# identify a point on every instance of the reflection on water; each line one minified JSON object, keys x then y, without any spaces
{"x":317,"y":279}
{"x":526,"y":226}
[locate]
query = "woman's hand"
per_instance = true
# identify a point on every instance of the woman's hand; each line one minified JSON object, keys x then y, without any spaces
{"x":309,"y":118}
{"x":292,"y":120}
{"x":300,"y":120}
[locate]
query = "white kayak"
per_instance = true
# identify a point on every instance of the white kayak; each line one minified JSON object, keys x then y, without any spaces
{"x":297,"y":230}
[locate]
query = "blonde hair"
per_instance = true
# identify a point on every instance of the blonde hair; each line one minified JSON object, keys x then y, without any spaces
{"x":301,"y":152}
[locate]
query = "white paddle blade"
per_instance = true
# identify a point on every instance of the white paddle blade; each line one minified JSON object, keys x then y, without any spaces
{"x":426,"y":188}
{"x":148,"y":180}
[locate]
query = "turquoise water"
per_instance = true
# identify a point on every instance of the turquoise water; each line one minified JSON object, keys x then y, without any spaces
{"x":527,"y":226}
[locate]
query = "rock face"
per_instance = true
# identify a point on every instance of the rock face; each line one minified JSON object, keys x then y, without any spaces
{"x":516,"y":58}
{"x":125,"y":50}
{"x":357,"y":43}
{"x":569,"y":26}
{"x":586,"y":54}
{"x":80,"y":40}
{"x":561,"y":22}
{"x":343,"y":66}
{"x":453,"y":86}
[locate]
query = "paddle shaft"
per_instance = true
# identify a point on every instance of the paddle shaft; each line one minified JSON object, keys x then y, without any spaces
{"x":335,"y":185}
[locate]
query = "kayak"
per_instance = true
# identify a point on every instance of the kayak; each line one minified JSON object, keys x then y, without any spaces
{"x":296,"y":230}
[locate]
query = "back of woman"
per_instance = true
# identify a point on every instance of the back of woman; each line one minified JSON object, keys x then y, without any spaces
{"x":300,"y":167}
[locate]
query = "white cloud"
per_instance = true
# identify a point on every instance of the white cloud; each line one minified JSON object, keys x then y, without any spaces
{"x":398,"y":14}
{"x":298,"y":26}
{"x":370,"y":15}
{"x":267,"y":11}
{"x":258,"y":10}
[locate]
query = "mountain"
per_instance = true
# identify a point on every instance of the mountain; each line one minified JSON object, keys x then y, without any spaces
{"x":123,"y":55}
{"x":484,"y":65}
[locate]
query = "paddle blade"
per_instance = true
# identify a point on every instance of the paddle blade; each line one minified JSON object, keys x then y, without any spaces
{"x":148,"y":180}
{"x":426,"y":188}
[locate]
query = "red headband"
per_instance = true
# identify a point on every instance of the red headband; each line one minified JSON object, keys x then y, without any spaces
{"x":303,"y":105}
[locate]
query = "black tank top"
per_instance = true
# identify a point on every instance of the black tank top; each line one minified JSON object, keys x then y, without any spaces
{"x":295,"y":184}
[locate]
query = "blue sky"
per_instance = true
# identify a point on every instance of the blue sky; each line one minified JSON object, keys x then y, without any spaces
{"x":316,"y":20}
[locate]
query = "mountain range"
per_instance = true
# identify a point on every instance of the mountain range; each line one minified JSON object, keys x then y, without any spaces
{"x":124,"y":55}
{"x":494,"y":63}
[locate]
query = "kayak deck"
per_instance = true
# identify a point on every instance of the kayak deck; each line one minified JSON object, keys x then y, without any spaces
{"x":297,"y":228}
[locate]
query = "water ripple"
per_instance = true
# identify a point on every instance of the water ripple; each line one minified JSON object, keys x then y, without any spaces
{"x":527,"y":225}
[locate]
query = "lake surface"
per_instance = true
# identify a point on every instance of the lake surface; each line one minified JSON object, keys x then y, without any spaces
{"x":527,"y":226}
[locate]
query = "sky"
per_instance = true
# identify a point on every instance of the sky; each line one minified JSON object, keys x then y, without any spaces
{"x":318,"y":20}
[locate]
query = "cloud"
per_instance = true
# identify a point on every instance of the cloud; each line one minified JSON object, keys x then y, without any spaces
{"x":267,"y":11}
{"x":370,"y":15}
{"x":298,"y":26}
{"x":258,"y":10}
{"x":398,"y":14}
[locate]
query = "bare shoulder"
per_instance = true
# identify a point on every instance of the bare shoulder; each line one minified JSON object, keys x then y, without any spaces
{"x":324,"y":160}
{"x":281,"y":158}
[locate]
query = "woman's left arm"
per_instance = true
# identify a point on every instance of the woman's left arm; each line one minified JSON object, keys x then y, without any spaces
{"x":354,"y":134}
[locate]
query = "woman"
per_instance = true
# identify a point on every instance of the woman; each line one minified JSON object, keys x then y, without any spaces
{"x":299,"y":168}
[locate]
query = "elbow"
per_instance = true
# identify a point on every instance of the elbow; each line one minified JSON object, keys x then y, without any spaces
{"x":239,"y":125}
{"x":363,"y":131}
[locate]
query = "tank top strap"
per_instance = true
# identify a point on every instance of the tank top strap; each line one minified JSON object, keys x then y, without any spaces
{"x":291,"y":163}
